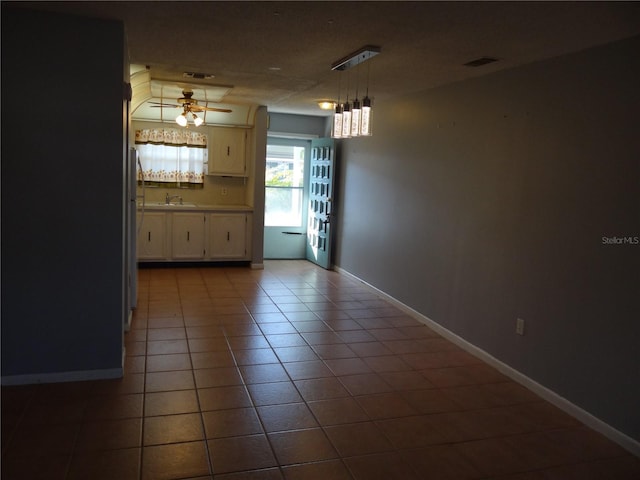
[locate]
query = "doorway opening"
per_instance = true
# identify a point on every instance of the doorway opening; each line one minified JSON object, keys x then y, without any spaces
{"x":286,"y":197}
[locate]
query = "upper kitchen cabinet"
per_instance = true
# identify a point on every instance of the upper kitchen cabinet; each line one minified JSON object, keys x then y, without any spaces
{"x":228,"y":151}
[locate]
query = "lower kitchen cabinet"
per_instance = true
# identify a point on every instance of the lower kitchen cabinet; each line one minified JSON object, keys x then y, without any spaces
{"x":194,"y":236}
{"x":152,"y":236}
{"x":187,"y":236}
{"x":227,"y":235}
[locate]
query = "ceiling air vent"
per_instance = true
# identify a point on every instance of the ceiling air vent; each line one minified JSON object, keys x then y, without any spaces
{"x":198,"y":76}
{"x":478,"y":62}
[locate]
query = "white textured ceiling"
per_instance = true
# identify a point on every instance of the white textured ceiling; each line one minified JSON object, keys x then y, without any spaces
{"x":279,"y":54}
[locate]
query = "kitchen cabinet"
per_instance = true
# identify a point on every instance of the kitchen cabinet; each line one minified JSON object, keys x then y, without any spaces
{"x":152,"y":242}
{"x":199,"y":234}
{"x":227,"y":235}
{"x":187,"y":235}
{"x":227,"y":156}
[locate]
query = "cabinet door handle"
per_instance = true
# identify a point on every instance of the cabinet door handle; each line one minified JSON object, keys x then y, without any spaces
{"x":227,"y":236}
{"x":149,"y":236}
{"x":187,"y":236}
{"x":228,"y":150}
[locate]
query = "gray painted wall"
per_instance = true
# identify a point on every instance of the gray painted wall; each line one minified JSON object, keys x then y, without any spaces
{"x":487,"y":200}
{"x":296,"y":124}
{"x":62,"y":193}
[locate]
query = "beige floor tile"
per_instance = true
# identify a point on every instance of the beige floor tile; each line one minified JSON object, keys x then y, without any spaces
{"x":123,"y":464}
{"x":172,"y":429}
{"x":274,"y":393}
{"x":170,"y":403}
{"x":386,"y":405}
{"x":109,"y":435}
{"x":235,"y":454}
{"x":165,"y":363}
{"x":288,"y":416}
{"x":321,"y":388}
{"x":353,"y":439}
{"x":301,"y":446}
{"x":169,"y":381}
{"x":222,"y":398}
{"x":380,"y":466}
{"x":217,"y":377}
{"x":231,"y":423}
{"x":292,"y":372}
{"x":177,"y":460}
{"x":336,"y":411}
{"x":325,"y":470}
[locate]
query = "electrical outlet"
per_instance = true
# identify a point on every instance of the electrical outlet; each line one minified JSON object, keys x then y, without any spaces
{"x":224,"y":191}
{"x":520,"y":326}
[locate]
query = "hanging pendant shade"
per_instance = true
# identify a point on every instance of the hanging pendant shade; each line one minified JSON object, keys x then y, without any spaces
{"x":356,"y":118}
{"x":346,"y":120}
{"x":365,"y":122}
{"x":336,"y":131}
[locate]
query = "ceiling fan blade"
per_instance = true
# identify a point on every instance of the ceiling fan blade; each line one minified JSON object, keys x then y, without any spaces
{"x":198,"y":108}
{"x":161,"y":105}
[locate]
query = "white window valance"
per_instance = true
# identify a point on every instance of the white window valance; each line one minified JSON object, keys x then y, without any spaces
{"x":171,"y":136}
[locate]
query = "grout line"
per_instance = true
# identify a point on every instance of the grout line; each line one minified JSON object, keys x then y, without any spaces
{"x":144,"y":380}
{"x":273,"y":283}
{"x":245,"y":384}
{"x":195,"y":385}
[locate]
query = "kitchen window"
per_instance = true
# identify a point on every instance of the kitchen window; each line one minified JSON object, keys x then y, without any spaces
{"x":171,"y":157}
{"x":284,"y":182}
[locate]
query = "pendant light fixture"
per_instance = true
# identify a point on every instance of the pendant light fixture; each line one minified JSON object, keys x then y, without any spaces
{"x":356,"y":110}
{"x":346,"y":120}
{"x":365,"y":123}
{"x":336,"y":131}
{"x":355,"y":118}
{"x":336,"y":128}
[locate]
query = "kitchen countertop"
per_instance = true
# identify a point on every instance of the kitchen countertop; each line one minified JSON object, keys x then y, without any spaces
{"x":189,"y":206}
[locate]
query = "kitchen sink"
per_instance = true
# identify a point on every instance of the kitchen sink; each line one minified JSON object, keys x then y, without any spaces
{"x":169,"y":205}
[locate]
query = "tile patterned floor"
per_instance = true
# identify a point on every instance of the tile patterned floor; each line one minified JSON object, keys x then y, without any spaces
{"x":292,"y":373}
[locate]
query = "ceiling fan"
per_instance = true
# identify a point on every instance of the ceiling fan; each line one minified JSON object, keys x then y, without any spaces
{"x":189,"y":106}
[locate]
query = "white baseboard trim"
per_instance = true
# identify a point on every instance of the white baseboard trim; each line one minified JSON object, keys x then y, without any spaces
{"x":257,"y":266}
{"x":57,"y":377}
{"x":625,"y":441}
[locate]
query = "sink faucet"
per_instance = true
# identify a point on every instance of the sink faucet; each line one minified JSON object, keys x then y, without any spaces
{"x":168,"y":198}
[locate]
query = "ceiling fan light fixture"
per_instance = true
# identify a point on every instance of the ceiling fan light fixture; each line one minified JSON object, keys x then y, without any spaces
{"x":181,"y":120}
{"x":196,"y":120}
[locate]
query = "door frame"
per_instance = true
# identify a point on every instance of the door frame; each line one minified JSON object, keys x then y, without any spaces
{"x":284,"y":242}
